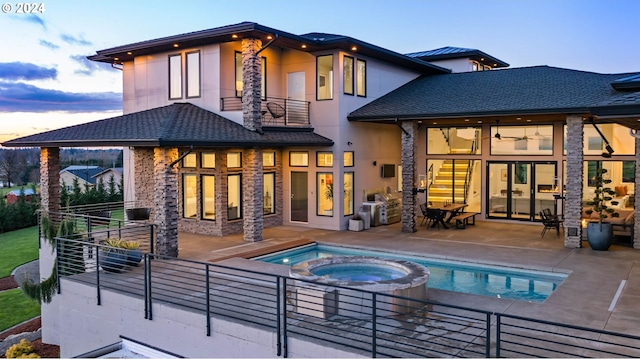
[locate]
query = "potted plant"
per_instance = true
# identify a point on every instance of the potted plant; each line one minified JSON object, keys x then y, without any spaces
{"x":600,"y":232}
{"x":134,"y":254}
{"x":112,"y":257}
{"x":356,"y":223}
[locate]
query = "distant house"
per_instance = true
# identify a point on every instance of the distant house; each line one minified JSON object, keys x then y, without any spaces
{"x":106,"y":174}
{"x":12,"y":196}
{"x":86,"y":176}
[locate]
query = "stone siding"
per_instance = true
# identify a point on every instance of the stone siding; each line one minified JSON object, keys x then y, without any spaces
{"x":409,"y":176}
{"x":636,"y":195}
{"x":252,"y":84}
{"x":574,"y":183}
{"x":50,"y":179}
{"x":252,"y":194}
{"x":166,"y":201}
{"x":143,"y":173}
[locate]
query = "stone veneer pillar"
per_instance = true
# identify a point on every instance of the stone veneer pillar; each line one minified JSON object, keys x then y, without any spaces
{"x":574,"y":183}
{"x":252,"y":84}
{"x":166,"y":201}
{"x":636,"y":195}
{"x":409,"y":177}
{"x":143,"y":173}
{"x":252,"y":194}
{"x":50,"y":179}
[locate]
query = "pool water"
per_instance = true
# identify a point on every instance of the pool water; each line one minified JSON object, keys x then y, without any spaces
{"x":492,"y":281}
{"x":359,"y":272}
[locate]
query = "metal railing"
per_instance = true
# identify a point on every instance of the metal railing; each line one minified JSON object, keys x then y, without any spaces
{"x":276,"y":111}
{"x":359,"y":321}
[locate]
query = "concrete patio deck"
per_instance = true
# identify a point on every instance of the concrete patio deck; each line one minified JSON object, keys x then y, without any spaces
{"x":601,"y":292}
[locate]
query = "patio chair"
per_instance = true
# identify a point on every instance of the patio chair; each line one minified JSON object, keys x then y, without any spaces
{"x":275,"y":111}
{"x":550,"y":221}
{"x":436,"y":217}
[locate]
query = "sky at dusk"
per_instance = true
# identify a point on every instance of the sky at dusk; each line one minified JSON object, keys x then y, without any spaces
{"x":46,"y":82}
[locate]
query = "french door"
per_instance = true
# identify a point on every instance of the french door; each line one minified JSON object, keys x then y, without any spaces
{"x":520,"y":190}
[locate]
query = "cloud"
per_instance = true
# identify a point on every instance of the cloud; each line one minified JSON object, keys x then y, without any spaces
{"x":21,"y":97}
{"x":32,"y":18}
{"x":88,"y":66}
{"x":14,"y":71}
{"x":72,"y":40}
{"x":48,"y":44}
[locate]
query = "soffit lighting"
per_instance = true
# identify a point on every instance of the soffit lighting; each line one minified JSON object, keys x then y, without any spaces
{"x":269,"y":37}
{"x":466,"y":120}
{"x":482,"y":59}
{"x":129,"y":53}
{"x":116,"y":58}
{"x":234,"y":36}
{"x":175,"y":45}
{"x":353,"y":48}
{"x":304,"y":46}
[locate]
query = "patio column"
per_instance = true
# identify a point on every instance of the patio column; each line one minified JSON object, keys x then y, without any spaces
{"x":50,"y":179}
{"x":251,"y":84}
{"x":252,"y":194}
{"x":574,"y":183}
{"x":636,"y":195}
{"x":165,"y":191}
{"x":409,"y":176}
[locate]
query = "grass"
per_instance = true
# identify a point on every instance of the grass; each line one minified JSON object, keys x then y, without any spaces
{"x":16,"y":248}
{"x":16,"y":307}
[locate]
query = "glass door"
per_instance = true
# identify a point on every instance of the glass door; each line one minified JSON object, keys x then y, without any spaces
{"x":509,"y":193}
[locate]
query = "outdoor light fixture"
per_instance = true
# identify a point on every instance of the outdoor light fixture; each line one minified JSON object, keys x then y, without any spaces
{"x":607,"y":146}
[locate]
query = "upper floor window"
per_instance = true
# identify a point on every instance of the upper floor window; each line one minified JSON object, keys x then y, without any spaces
{"x":268,"y":159}
{"x":324,"y":81}
{"x":208,"y":160}
{"x":189,"y":160}
{"x":239,"y":82}
{"x":361,"y":77}
{"x":347,"y":76}
{"x":193,"y":74}
{"x":324,"y":159}
{"x":234,"y":160}
{"x":175,"y":76}
{"x":298,"y":159}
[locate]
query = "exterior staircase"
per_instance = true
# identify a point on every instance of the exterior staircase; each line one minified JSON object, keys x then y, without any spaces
{"x":446,"y":180}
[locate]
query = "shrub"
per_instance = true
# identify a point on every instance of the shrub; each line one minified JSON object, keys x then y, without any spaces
{"x":24,"y":349}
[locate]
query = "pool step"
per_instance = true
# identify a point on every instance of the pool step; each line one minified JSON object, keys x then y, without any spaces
{"x":258,"y":249}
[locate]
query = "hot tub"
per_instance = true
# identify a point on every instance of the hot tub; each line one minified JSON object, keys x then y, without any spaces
{"x":365,"y":274}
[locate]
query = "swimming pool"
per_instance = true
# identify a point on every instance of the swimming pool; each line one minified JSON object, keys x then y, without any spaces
{"x":492,"y":281}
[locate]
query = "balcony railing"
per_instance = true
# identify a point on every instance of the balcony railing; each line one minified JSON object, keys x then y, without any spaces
{"x":275,"y":111}
{"x":380,"y":325}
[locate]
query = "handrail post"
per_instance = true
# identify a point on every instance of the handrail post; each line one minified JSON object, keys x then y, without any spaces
{"x":498,"y":322}
{"x":97,"y":274}
{"x":58,"y":264}
{"x":151,"y":239}
{"x":285,"y":349}
{"x":149,"y":293}
{"x":39,"y":219}
{"x":286,"y":113}
{"x":206,"y":296}
{"x":278,"y":319}
{"x":374,"y":329}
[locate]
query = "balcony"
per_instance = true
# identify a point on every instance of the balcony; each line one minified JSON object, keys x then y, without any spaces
{"x":275,"y":111}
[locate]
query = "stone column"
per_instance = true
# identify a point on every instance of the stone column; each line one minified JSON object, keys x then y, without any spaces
{"x":50,"y":179}
{"x":252,"y":194}
{"x":165,"y":189}
{"x":409,"y":176}
{"x":574,"y":183}
{"x":252,"y":84}
{"x":143,"y":172}
{"x":636,"y":195}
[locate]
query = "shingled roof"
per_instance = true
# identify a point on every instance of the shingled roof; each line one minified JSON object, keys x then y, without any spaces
{"x":527,"y":90}
{"x":178,"y":124}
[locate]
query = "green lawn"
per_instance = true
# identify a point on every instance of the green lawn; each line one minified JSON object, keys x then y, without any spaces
{"x":15,"y":308}
{"x":16,"y":248}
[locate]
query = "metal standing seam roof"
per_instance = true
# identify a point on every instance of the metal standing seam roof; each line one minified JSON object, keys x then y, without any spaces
{"x":178,"y":124}
{"x":528,"y":90}
{"x":450,"y":52}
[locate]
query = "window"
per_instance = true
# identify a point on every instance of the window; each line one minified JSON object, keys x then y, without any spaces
{"x":234,"y":160}
{"x":234,"y":196}
{"x":175,"y":77}
{"x":347,"y":76}
{"x":348,"y":193}
{"x":268,"y":159}
{"x":208,"y":160}
{"x":269,"y":206}
{"x":208,"y":197}
{"x":189,"y":161}
{"x":324,"y":194}
{"x":324,"y":159}
{"x":628,"y":171}
{"x":189,"y":205}
{"x":324,"y":71}
{"x":298,"y":159}
{"x":522,"y":140}
{"x":348,"y":158}
{"x":361,"y":77}
{"x":193,"y":74}
{"x":239,"y":83}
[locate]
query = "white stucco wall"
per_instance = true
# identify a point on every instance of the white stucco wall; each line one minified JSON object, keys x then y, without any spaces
{"x":88,"y":326}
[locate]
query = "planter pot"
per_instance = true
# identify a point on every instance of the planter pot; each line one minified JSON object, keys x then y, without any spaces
{"x":138,"y":214}
{"x":134,"y":257}
{"x":599,"y":235}
{"x":356,"y":225}
{"x":113,"y":260}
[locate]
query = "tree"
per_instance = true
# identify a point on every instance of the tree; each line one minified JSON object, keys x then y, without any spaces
{"x":11,"y":164}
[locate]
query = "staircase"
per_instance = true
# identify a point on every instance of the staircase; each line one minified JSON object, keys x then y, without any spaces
{"x":444,"y":182}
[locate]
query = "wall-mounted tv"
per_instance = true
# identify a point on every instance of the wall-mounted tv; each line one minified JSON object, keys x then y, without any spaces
{"x":388,"y":171}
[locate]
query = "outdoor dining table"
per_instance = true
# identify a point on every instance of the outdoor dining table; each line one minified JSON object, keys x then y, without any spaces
{"x":452,"y":210}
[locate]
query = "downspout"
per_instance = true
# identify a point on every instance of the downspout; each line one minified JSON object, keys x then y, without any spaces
{"x":400,"y":126}
{"x":181,"y":157}
{"x":275,"y":36}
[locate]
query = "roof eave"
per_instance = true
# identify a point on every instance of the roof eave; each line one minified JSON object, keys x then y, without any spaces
{"x":568,"y":111}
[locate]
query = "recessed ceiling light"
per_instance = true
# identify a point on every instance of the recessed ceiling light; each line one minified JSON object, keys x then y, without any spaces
{"x":482,"y":59}
{"x":234,"y":36}
{"x":528,"y":120}
{"x":269,"y":37}
{"x":175,"y":45}
{"x":116,"y":58}
{"x":304,"y":46}
{"x":518,"y":118}
{"x":129,"y":53}
{"x":479,"y":121}
{"x":353,"y":48}
{"x":466,"y":120}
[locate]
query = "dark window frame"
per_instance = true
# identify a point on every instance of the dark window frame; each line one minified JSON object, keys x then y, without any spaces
{"x":344,"y":77}
{"x":305,"y":152}
{"x":318,"y":78}
{"x":186,"y":78}
{"x":239,"y":205}
{"x":273,"y":192}
{"x":364,"y":80}
{"x":203,"y":201}
{"x":263,"y":72}
{"x":170,"y":56}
